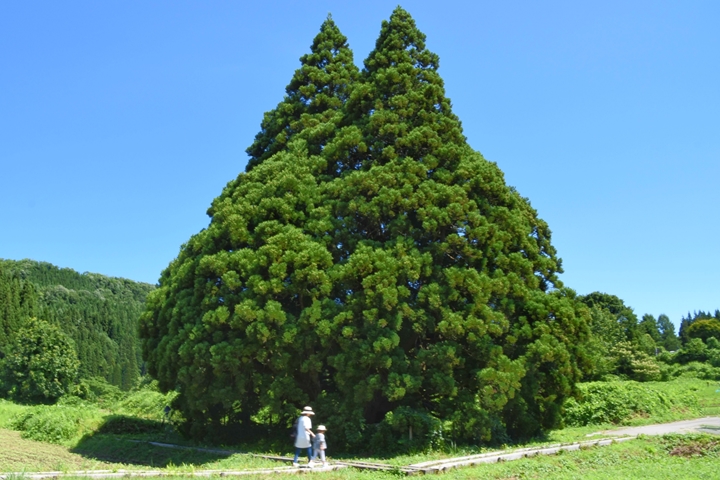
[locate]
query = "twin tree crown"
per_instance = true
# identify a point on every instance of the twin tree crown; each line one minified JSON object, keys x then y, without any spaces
{"x":370,"y":263}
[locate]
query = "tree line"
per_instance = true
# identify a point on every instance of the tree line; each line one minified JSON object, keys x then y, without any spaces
{"x":96,"y":317}
{"x":647,"y":349}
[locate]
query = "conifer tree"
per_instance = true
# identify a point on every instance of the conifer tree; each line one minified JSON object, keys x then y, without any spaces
{"x":371,"y":262}
{"x":248,"y":293}
{"x":18,"y":302}
{"x":670,"y":340}
{"x":237,"y":317}
{"x":312,"y":107}
{"x":447,"y":271}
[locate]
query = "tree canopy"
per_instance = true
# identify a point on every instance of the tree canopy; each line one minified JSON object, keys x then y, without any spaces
{"x":371,"y":262}
{"x":41,"y":363}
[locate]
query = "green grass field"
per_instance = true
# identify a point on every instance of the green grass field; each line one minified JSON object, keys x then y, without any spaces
{"x":688,"y":457}
{"x":643,"y":458}
{"x":20,"y":455}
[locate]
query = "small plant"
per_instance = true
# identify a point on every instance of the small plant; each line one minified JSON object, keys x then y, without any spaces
{"x":692,"y":445}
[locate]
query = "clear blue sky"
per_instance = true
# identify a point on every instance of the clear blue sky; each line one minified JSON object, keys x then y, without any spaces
{"x":120,"y":121}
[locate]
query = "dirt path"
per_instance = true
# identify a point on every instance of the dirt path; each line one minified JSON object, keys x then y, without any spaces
{"x":698,"y":425}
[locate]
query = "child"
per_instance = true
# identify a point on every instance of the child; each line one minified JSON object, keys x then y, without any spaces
{"x":319,"y":444}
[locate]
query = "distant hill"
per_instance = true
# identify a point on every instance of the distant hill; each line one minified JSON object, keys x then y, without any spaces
{"x":100,"y":313}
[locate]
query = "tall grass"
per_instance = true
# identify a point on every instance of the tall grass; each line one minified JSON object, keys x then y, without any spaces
{"x":105,"y":409}
{"x":8,"y":411}
{"x":145,"y":404}
{"x":621,"y":402}
{"x":59,"y":424}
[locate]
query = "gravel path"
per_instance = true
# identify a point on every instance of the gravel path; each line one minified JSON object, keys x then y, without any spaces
{"x":704,"y":425}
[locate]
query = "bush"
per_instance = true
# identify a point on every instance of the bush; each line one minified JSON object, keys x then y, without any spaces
{"x":406,"y":430}
{"x":41,"y":363}
{"x":146,"y":404}
{"x":703,"y":371}
{"x":123,"y":424}
{"x":693,"y":351}
{"x":100,"y":391}
{"x":56,"y":424}
{"x":619,"y":402}
{"x":634,"y":364}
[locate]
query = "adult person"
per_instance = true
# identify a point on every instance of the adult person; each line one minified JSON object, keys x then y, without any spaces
{"x":303,"y":435}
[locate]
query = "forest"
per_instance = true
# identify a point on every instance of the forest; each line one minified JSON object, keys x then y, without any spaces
{"x":97,"y":314}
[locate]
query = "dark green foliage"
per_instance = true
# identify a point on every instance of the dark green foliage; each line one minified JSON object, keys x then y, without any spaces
{"x":381,"y":270}
{"x":18,"y":302}
{"x":649,"y":326}
{"x":124,"y":424}
{"x":99,"y":391}
{"x":444,"y":267}
{"x":624,"y":315}
{"x":248,"y":329}
{"x":607,"y":333}
{"x":696,"y":358}
{"x":312,"y":107}
{"x":406,"y":429}
{"x":702,"y":370}
{"x":713,"y":345}
{"x":41,"y":363}
{"x":694,"y":350}
{"x":633,"y":363}
{"x":99,"y":313}
{"x":669,"y":339}
{"x":686,"y":322}
{"x":704,"y":329}
{"x":620,"y":345}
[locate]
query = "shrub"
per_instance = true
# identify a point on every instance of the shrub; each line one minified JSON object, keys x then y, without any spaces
{"x":618,"y":402}
{"x":56,"y":424}
{"x":146,"y":404}
{"x":100,"y":391}
{"x":41,"y":364}
{"x":123,"y":424}
{"x":699,"y":370}
{"x":634,"y":363}
{"x":693,"y":351}
{"x":406,"y":430}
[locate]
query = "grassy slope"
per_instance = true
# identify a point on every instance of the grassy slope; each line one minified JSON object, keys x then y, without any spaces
{"x":20,"y":455}
{"x":644,"y":458}
{"x":142,"y":455}
{"x":107,"y":452}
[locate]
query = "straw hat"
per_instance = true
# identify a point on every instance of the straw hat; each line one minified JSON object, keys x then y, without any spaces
{"x":308,"y":411}
{"x":321,"y":428}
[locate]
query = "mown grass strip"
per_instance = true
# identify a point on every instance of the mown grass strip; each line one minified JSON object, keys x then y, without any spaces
{"x":163,"y":473}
